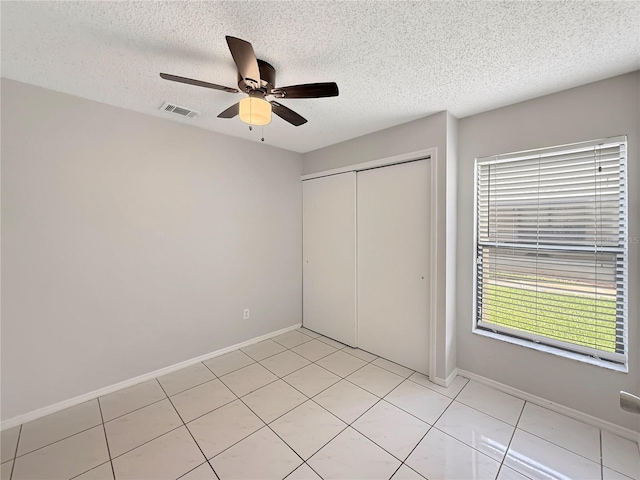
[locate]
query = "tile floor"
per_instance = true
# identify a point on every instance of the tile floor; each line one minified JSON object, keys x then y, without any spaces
{"x":303,"y":406}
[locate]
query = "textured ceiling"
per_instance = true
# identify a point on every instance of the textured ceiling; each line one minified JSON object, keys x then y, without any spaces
{"x":393,"y":61}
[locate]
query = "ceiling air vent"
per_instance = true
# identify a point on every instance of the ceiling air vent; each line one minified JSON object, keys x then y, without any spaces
{"x":185,"y":112}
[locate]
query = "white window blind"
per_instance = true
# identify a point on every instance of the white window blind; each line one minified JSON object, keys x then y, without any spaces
{"x":551,"y":247}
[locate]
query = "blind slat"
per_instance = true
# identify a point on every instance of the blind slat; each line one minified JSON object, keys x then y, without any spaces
{"x":551,"y":254}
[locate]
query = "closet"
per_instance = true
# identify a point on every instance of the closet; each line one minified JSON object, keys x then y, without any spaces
{"x":366,"y":244}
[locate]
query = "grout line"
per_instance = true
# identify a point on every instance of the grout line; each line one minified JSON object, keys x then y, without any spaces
{"x":312,"y":469}
{"x":189,"y":388}
{"x":203,"y":463}
{"x":15,"y":453}
{"x":557,"y":445}
{"x":396,"y":470}
{"x":93,"y":468}
{"x":132,"y":411}
{"x":59,"y":440}
{"x":185,"y":425}
{"x":601,"y":459}
{"x":104,"y":429}
{"x":506,"y":451}
{"x":135,"y":410}
{"x":283,"y":440}
{"x":274,"y":432}
{"x":148,"y":441}
{"x":206,"y":460}
{"x":431,"y":425}
{"x":487,"y":414}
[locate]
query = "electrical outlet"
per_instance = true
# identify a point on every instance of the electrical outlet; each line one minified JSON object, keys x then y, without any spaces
{"x":245,"y":314}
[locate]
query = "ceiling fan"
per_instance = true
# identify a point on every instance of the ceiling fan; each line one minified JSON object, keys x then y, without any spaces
{"x":257,"y":78}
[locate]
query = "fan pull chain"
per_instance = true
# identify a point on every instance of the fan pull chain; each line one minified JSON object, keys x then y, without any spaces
{"x":262,"y":133}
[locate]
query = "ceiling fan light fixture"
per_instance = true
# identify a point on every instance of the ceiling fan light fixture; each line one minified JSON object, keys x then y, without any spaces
{"x":255,"y":111}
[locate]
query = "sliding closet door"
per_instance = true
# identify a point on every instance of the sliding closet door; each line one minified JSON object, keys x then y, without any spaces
{"x":393,"y":208}
{"x":329,"y":249}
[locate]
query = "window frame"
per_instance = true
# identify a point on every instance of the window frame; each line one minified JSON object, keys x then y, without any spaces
{"x":532,"y":340}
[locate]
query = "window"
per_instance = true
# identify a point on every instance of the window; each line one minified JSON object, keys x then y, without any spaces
{"x":551,"y":247}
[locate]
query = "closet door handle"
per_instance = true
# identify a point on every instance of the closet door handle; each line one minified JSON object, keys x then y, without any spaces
{"x":629,"y":402}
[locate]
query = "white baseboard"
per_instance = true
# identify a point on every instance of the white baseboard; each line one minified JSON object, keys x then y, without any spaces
{"x":56,"y":407}
{"x":556,"y":407}
{"x":446,"y":382}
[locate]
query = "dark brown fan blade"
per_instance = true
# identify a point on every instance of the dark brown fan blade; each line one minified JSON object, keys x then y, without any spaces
{"x":287,"y":114}
{"x":310,"y":90}
{"x":198,"y":83}
{"x":245,"y":58}
{"x":230,"y":112}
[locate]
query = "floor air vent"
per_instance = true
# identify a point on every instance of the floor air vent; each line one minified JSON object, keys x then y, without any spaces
{"x":185,"y":112}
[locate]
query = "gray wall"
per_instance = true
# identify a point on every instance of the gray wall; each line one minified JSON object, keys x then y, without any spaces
{"x":602,"y":109}
{"x":131,"y":243}
{"x":421,"y":134}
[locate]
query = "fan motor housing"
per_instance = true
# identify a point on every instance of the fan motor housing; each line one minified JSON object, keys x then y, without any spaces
{"x":267,"y":78}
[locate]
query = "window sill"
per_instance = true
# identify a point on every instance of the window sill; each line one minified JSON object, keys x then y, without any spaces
{"x":552,"y":350}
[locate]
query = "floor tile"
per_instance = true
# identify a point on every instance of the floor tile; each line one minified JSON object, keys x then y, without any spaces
{"x":391,"y":428}
{"x":422,"y":402}
{"x":262,"y":455}
{"x":284,"y":363}
{"x":229,"y":362}
{"x":375,"y":379}
{"x":451,"y":391}
{"x":308,"y":428}
{"x":202,"y":399}
{"x":342,"y":364}
{"x":165,"y":458}
{"x":274,"y":400}
{"x":478,"y":430}
{"x":203,"y":472}
{"x":440,"y":456}
{"x":59,"y":425}
{"x":608,"y":474}
{"x":130,"y":399}
{"x":331,"y":342}
{"x":539,"y":459}
{"x":308,"y":332}
{"x":5,"y":470}
{"x":406,"y":473}
{"x":351,"y":455}
{"x":180,"y":380}
{"x":8,"y":443}
{"x":64,"y":459}
{"x":312,"y":379}
{"x":404,"y":372}
{"x":314,"y":350}
{"x":133,"y":429}
{"x":507,"y":473}
{"x":346,"y":400}
{"x":303,"y":472}
{"x":248,"y":379}
{"x":566,"y":432}
{"x":361,"y":354}
{"x":103,"y":472}
{"x":261,"y":350}
{"x":491,"y":401}
{"x":292,"y":339}
{"x":621,"y":455}
{"x":223,"y":427}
